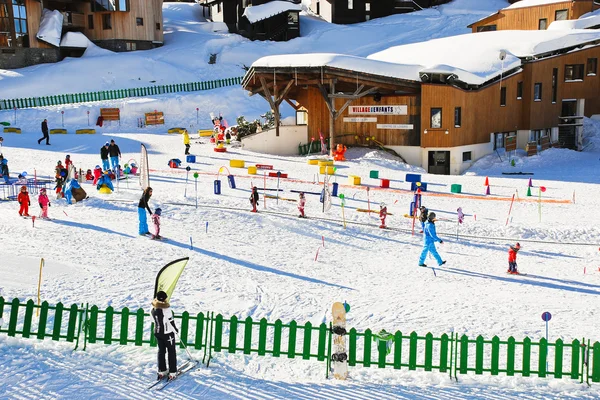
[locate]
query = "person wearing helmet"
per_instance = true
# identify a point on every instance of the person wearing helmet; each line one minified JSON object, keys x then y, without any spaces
{"x":97,"y":174}
{"x":512,"y":259}
{"x":156,"y":221}
{"x":301,"y":204}
{"x":44,"y":203}
{"x":164,"y":331}
{"x":24,"y":202}
{"x":60,"y":174}
{"x":254,"y":198}
{"x":423,"y":217}
{"x":429,"y":238}
{"x":68,"y":161}
{"x":382,"y":215}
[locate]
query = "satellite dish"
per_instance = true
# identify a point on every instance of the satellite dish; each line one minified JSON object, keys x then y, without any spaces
{"x":502,"y":55}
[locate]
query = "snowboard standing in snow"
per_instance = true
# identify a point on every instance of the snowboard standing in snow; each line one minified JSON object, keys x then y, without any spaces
{"x":339,"y":358}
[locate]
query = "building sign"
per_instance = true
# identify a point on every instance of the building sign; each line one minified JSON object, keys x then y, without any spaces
{"x":360,"y":119}
{"x":510,"y":143}
{"x":395,"y":126}
{"x":378,"y":110}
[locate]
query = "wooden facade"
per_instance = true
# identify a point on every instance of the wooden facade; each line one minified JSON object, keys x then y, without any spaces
{"x":354,"y":11}
{"x":280,"y":27}
{"x":142,"y":24}
{"x":534,"y":17}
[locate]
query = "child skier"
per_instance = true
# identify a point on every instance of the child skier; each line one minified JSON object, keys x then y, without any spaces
{"x":24,"y":201}
{"x":88,"y":175}
{"x":156,"y":221}
{"x":382,"y":215}
{"x":423,"y":217}
{"x":4,"y":170}
{"x":97,"y":174}
{"x":44,"y":203}
{"x":61,"y":176}
{"x":301,"y":204}
{"x":186,"y":141}
{"x":68,"y":162}
{"x":512,"y":259}
{"x":254,"y":198}
{"x":164,"y":331}
{"x":429,"y":239}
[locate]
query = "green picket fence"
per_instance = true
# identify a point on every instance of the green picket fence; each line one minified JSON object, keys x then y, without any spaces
{"x":315,"y":148}
{"x":451,"y":354}
{"x":74,"y":98}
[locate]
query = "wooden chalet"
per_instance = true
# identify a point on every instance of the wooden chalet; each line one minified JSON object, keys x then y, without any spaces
{"x":118,"y":25}
{"x":437,"y":120}
{"x":276,"y":20}
{"x":354,"y":11}
{"x":523,"y":16}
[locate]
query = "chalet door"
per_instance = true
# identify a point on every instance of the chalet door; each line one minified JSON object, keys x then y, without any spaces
{"x":439,"y":162}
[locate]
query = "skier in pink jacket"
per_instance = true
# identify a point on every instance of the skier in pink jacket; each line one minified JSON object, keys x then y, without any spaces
{"x":44,"y":203}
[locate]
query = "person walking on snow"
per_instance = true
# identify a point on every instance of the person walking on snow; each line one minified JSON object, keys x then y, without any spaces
{"x":254,"y":198}
{"x":164,"y":331}
{"x":186,"y":141}
{"x":115,"y":153}
{"x":301,"y":204}
{"x":4,"y":170}
{"x":429,"y":239}
{"x":142,"y":207}
{"x":156,"y":221}
{"x":382,"y":215}
{"x":45,"y":132}
{"x":512,"y":259}
{"x":24,"y":201}
{"x":44,"y":203}
{"x":104,"y":156}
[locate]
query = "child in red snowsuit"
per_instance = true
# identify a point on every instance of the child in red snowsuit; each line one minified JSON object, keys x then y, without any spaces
{"x":24,"y":201}
{"x":301,"y":204}
{"x":68,"y":162}
{"x":89,"y":176}
{"x":97,"y":174}
{"x":382,"y":214}
{"x":512,"y":259}
{"x":254,"y":199}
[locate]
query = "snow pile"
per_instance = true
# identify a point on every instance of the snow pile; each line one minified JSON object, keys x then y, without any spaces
{"x":51,"y":27}
{"x":267,"y":10}
{"x":533,"y":3}
{"x":591,"y":134}
{"x":75,"y":39}
{"x":586,"y":21}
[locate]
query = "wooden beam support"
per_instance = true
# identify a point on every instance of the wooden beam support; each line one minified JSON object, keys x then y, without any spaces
{"x":274,"y":107}
{"x":294,"y":106}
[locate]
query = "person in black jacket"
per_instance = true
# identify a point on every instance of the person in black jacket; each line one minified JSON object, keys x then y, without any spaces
{"x":115,"y":153}
{"x":164,"y":331}
{"x":142,"y":207}
{"x":254,"y":198}
{"x":423,"y":217}
{"x":104,"y":157}
{"x":45,"y":132}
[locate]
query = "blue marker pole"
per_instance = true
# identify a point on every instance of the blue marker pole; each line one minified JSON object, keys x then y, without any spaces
{"x":191,"y":244}
{"x":206,"y":226}
{"x":546,"y":316}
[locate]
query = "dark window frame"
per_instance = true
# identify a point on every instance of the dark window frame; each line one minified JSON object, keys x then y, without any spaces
{"x":90,"y":20}
{"x":565,"y":11}
{"x":545,"y":22}
{"x":158,"y":26}
{"x":431,"y":115}
{"x":106,"y":22}
{"x":554,"y":85}
{"x":574,"y":72}
{"x":487,"y":28}
{"x":457,"y":117}
{"x":467,"y":156}
{"x":503,"y":96}
{"x":15,"y":37}
{"x":519,"y":90}
{"x":537,"y":87}
{"x":592,"y":66}
{"x":139,"y":21}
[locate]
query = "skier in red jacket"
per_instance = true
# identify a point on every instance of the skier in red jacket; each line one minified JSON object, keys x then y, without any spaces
{"x":382,"y":215}
{"x":512,"y":259}
{"x":24,"y":201}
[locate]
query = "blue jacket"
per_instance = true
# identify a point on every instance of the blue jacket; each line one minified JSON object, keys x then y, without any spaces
{"x":430,"y":236}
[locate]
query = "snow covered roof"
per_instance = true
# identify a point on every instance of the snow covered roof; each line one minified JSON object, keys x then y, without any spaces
{"x":50,"y":27}
{"x":74,"y":39}
{"x":472,"y":58}
{"x":585,"y":21}
{"x":532,"y":3}
{"x":267,"y":10}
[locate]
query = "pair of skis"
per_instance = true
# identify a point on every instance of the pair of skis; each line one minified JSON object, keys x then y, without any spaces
{"x":164,"y":382}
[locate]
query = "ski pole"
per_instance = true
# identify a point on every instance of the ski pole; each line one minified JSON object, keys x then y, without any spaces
{"x":185,"y":348}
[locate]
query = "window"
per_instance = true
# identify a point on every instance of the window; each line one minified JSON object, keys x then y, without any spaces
{"x":139,"y":21}
{"x":560,"y":15}
{"x":436,"y":118}
{"x":466,"y":156}
{"x":573,"y":72}
{"x":131,"y":46}
{"x":110,"y":5}
{"x":367,"y":6}
{"x":318,"y":8}
{"x":519,"y":90}
{"x":90,"y":21}
{"x":292,"y":18}
{"x":499,"y":140}
{"x":218,"y":7}
{"x":543,"y":24}
{"x":486,"y":28}
{"x":457,"y":117}
{"x":13,"y":28}
{"x":503,"y":97}
{"x":350,"y":4}
{"x":554,"y":84}
{"x":158,"y":26}
{"x":592,"y":66}
{"x":537,"y":92}
{"x":106,"y":21}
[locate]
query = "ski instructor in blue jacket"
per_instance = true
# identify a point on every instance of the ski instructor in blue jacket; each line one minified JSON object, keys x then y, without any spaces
{"x":429,"y":239}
